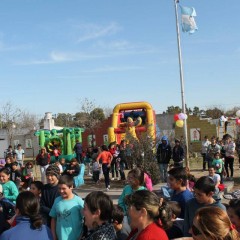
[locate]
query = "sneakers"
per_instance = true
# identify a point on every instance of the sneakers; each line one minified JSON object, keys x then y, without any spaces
{"x":107,"y":189}
{"x":112,"y":179}
{"x":108,"y":186}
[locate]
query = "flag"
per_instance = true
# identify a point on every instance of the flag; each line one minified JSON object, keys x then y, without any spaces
{"x":188,"y":23}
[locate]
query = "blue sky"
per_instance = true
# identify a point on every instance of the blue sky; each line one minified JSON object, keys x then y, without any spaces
{"x":55,"y":53}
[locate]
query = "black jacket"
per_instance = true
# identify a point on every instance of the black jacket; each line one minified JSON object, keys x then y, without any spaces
{"x":164,"y":153}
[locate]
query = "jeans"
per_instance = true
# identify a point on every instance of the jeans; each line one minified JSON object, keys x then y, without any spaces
{"x":163,"y":171}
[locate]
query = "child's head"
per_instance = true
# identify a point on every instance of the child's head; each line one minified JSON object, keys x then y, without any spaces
{"x":204,"y":189}
{"x":136,"y":178}
{"x":217,"y":155}
{"x":62,"y":161}
{"x":74,"y":162}
{"x":36,"y":188}
{"x":177,"y":178}
{"x":233,"y":212}
{"x":53,"y":174}
{"x":4,"y":175}
{"x":65,"y":186}
{"x":117,"y":217}
{"x":176,"y":209}
{"x":29,"y":165}
{"x":8,"y":160}
{"x":14,"y":166}
{"x":211,"y":170}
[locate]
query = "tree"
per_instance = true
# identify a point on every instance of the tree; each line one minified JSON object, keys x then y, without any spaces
{"x":28,"y":121}
{"x":214,"y":112}
{"x":10,"y":116}
{"x":173,"y":109}
{"x":64,"y":120}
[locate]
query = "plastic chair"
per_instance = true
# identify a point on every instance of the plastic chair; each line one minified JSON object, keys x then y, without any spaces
{"x":79,"y":180}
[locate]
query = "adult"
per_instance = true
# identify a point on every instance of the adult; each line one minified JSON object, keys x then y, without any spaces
{"x":229,"y":148}
{"x":19,"y":155}
{"x":106,"y":157}
{"x":43,"y":160}
{"x":78,"y":150}
{"x":212,"y":223}
{"x":29,"y":224}
{"x":144,"y":209}
{"x":205,"y":144}
{"x":97,"y":211}
{"x":178,"y":154}
{"x":164,"y":152}
{"x":212,"y":149}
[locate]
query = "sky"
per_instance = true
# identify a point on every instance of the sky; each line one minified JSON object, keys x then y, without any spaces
{"x":54,"y":54}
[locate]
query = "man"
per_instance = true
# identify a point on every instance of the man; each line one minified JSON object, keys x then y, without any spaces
{"x":164,"y":153}
{"x":78,"y":150}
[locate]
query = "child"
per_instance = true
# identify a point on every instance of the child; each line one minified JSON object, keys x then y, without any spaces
{"x":233,"y":211}
{"x":204,"y":191}
{"x":66,"y":214}
{"x":73,"y":169}
{"x":27,"y":174}
{"x":96,"y":171}
{"x":218,"y":164}
{"x":176,"y":230}
{"x":136,"y":183}
{"x":8,"y":164}
{"x":36,"y":188}
{"x":10,"y":190}
{"x":49,"y":192}
{"x":178,"y":183}
{"x":15,"y":174}
{"x":117,"y":218}
{"x":63,"y":164}
{"x":7,"y":211}
{"x":57,"y":163}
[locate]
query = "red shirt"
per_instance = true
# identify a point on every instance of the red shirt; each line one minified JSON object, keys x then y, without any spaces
{"x":105,"y":156}
{"x":151,"y":232}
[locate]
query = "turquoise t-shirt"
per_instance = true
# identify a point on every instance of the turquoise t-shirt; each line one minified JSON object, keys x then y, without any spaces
{"x":10,"y":191}
{"x":218,"y":164}
{"x":68,"y":215}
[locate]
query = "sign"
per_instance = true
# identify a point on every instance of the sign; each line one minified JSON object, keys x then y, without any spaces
{"x":105,"y":139}
{"x":195,"y":135}
{"x":28,"y":143}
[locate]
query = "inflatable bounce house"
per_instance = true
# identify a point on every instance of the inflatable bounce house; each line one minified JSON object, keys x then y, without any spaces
{"x":62,"y":141}
{"x":130,"y":120}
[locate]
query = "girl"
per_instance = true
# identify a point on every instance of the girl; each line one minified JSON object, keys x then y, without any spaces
{"x":212,"y":223}
{"x":27,"y":174}
{"x":233,"y":211}
{"x":29,"y":222}
{"x":36,"y":188}
{"x":73,"y":169}
{"x":136,"y":182}
{"x":10,"y":190}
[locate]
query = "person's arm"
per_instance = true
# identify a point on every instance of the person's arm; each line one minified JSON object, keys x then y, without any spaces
{"x":53,"y":228}
{"x":23,"y":155}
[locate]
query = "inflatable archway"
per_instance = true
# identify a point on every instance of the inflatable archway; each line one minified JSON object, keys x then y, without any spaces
{"x":132,"y":118}
{"x":64,"y":140}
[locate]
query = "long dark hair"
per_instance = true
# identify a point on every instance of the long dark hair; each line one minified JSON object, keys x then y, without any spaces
{"x":28,"y":205}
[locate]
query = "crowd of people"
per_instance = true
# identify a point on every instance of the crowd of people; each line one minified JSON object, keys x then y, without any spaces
{"x":185,"y":207}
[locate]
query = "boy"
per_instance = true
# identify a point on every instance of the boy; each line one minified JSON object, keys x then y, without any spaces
{"x":204,"y":191}
{"x":66,"y":222}
{"x":15,"y":174}
{"x":49,"y":193}
{"x":178,"y":183}
{"x":121,"y":231}
{"x":19,"y":155}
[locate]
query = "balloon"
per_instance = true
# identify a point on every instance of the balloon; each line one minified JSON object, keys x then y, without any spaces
{"x":238,"y":121}
{"x":176,"y":117}
{"x":186,"y":116}
{"x":181,"y":116}
{"x":238,"y":113}
{"x":179,"y":123}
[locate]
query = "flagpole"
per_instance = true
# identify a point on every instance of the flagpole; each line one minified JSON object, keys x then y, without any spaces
{"x":182,"y":82}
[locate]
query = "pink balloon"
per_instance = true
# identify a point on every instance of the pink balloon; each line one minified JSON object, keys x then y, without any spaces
{"x":176,"y":117}
{"x":181,"y":116}
{"x":238,"y":121}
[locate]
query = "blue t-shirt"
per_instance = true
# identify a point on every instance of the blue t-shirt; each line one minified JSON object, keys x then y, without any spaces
{"x":182,"y":198}
{"x":68,"y":217}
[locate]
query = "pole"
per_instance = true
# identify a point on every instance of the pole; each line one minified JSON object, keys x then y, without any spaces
{"x":182,"y":82}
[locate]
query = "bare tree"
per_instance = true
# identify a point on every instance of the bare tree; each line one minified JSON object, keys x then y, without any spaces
{"x":10,"y":116}
{"x":28,"y":121}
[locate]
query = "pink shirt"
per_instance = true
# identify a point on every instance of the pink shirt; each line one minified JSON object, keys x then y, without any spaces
{"x":148,"y":182}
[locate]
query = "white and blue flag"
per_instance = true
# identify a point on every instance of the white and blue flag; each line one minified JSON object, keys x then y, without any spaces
{"x":188,"y":23}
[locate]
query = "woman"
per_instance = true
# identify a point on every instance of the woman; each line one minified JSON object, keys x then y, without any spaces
{"x":97,"y":211}
{"x":212,"y":223}
{"x":146,"y":216}
{"x":29,"y":222}
{"x":43,"y":160}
